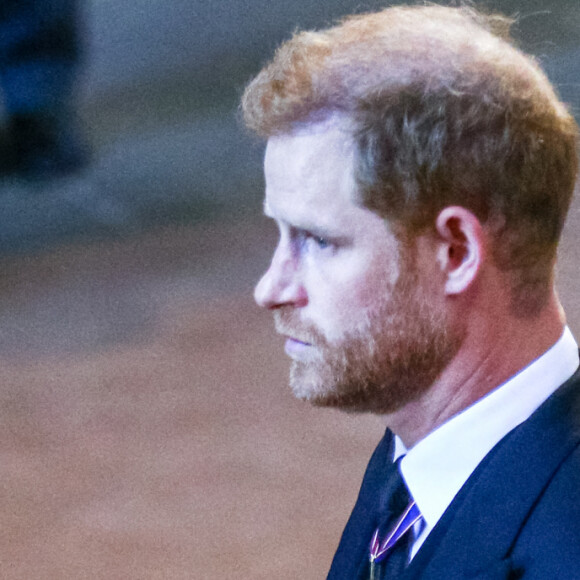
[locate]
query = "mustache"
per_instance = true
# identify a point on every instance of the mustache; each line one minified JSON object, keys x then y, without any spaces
{"x":287,"y":324}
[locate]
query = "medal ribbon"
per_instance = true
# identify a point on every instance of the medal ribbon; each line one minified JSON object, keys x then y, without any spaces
{"x":408,"y":519}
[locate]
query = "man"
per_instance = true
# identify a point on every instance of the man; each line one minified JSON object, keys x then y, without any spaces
{"x":419,"y":168}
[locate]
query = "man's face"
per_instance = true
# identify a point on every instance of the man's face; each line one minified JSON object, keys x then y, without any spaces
{"x":363,"y":330}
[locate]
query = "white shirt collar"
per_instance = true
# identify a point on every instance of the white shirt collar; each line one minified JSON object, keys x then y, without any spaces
{"x":436,"y":468}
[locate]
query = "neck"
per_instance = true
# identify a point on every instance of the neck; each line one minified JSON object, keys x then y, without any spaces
{"x":494,"y":350}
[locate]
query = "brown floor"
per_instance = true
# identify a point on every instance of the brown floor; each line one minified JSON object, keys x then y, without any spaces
{"x":146,"y":430}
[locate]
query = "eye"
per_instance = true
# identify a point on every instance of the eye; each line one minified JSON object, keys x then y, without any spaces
{"x":311,"y":242}
{"x":318,"y":242}
{"x":322,"y":243}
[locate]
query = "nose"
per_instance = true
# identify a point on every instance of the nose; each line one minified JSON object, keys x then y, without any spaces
{"x":280,"y":285}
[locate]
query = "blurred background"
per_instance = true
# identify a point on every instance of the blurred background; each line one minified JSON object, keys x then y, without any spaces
{"x":146,"y":429}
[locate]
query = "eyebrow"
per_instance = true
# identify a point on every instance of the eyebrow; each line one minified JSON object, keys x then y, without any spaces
{"x":304,"y":225}
{"x":311,"y":228}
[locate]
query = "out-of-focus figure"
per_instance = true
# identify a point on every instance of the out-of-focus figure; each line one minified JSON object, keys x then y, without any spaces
{"x":39,"y":57}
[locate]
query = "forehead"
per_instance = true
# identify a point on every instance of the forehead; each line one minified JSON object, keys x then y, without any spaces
{"x":309,"y":176}
{"x":312,"y":147}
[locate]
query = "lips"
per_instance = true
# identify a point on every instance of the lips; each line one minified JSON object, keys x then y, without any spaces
{"x":294,"y":335}
{"x":298,"y":340}
{"x":295,"y":347}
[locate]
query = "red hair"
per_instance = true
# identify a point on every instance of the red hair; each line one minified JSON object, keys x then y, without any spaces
{"x":443,"y":110}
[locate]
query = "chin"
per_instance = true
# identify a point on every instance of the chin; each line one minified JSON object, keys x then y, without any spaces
{"x":358,"y":397}
{"x":379,"y":394}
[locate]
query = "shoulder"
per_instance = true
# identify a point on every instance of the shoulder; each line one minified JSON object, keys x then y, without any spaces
{"x":548,"y":545}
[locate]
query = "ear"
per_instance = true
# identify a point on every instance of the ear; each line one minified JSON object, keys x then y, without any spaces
{"x":461,"y":252}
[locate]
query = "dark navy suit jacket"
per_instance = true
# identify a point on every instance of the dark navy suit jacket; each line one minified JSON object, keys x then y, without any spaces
{"x":517,"y":516}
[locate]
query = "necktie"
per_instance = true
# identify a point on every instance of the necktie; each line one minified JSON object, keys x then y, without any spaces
{"x":398,"y":514}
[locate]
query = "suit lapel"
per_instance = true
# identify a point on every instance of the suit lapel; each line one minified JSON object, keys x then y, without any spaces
{"x":475,"y":536}
{"x":352,"y":553}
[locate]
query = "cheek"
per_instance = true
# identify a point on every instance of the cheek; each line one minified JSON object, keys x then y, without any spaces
{"x":372,"y":281}
{"x":339,"y":303}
